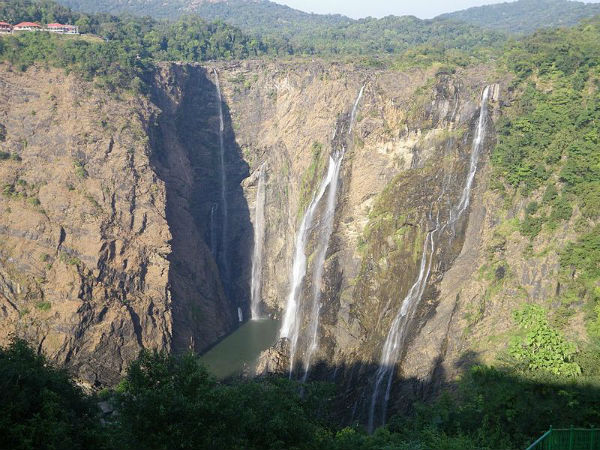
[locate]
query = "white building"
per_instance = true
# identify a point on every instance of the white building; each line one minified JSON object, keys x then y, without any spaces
{"x":5,"y":27}
{"x":62,"y":29}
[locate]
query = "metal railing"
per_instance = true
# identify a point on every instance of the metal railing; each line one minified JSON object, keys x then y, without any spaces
{"x":568,"y":439}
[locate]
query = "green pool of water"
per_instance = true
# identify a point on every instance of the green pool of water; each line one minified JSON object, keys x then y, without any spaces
{"x":241,"y":348}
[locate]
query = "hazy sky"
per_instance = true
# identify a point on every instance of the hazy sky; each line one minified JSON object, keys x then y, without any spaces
{"x":424,"y":9}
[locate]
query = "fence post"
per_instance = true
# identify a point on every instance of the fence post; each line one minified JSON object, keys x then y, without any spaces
{"x":592,"y":439}
{"x":571,"y":438}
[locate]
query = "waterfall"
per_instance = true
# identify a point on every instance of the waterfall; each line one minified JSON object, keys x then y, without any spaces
{"x":223,"y":182}
{"x":477,"y":146}
{"x":395,"y":340}
{"x":259,"y":238}
{"x":291,"y":320}
{"x":319,"y":261}
{"x":323,"y":245}
{"x":293,"y":314}
{"x":354,"y":109}
{"x":213,"y":230}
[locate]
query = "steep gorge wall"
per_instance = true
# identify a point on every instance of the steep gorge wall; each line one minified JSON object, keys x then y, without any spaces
{"x":185,"y":145}
{"x":103,"y":233}
{"x":404,"y":172}
{"x":84,"y":240}
{"x":412,"y":140}
{"x":109,"y":212}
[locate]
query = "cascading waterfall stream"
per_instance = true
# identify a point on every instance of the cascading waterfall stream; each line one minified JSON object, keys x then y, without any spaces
{"x":290,"y":328}
{"x":291,"y":319}
{"x":223,"y":185}
{"x":319,"y":261}
{"x":323,"y":245}
{"x":395,"y":340}
{"x":477,"y":146}
{"x":396,"y":335}
{"x":213,"y":230}
{"x":259,"y":238}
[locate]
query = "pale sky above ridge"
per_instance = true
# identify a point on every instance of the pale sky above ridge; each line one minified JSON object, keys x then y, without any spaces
{"x":424,"y":9}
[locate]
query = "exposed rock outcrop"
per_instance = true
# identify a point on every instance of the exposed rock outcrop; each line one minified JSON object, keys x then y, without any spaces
{"x":110,"y":206}
{"x":103,"y":220}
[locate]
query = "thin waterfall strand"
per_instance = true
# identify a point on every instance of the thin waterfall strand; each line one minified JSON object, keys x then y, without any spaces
{"x":323,"y":245}
{"x":319,"y":262}
{"x":391,"y":347}
{"x":213,"y":230}
{"x":396,"y":336}
{"x":259,"y":238}
{"x":354,"y":109}
{"x":223,"y":184}
{"x":292,"y":318}
{"x":476,"y":148}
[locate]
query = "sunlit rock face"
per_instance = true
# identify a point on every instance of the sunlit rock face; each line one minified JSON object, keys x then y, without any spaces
{"x":130,"y":222}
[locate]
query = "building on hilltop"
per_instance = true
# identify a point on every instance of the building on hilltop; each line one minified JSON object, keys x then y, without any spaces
{"x":27,"y":26}
{"x":62,"y":29}
{"x":5,"y":27}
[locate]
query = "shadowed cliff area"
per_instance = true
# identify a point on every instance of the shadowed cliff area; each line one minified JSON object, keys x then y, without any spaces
{"x":172,"y":402}
{"x":208,"y":276}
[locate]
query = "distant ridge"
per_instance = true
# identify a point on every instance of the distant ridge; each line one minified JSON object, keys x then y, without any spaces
{"x":263,"y":13}
{"x":267,"y":18}
{"x":526,"y":16}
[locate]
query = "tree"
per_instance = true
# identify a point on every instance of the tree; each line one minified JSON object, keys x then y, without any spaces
{"x":41,"y":407}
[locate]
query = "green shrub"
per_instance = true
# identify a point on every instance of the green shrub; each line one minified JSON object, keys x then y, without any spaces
{"x":531,"y":226}
{"x":41,"y":407}
{"x":43,"y":306}
{"x":542,"y":347}
{"x":80,"y":169}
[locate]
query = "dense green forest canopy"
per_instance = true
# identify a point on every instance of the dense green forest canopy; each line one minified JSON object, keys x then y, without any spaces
{"x":265,"y":18}
{"x":130,"y":45}
{"x":125,"y":48}
{"x":335,"y":34}
{"x":526,"y":16}
{"x":168,"y":402}
{"x":546,"y":156}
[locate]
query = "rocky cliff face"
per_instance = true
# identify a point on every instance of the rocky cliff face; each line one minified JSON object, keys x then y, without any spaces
{"x":84,"y":239}
{"x":103,"y":227}
{"x":405,"y":167}
{"x":112,"y":224}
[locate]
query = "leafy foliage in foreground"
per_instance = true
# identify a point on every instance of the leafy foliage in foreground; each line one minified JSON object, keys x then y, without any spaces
{"x":542,"y":348}
{"x":168,"y":402}
{"x":41,"y":407}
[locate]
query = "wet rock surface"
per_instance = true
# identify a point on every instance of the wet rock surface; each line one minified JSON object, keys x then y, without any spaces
{"x":107,"y":244}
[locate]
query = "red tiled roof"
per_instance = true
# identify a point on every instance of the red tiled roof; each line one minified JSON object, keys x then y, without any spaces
{"x":4,"y":23}
{"x":27,"y":24}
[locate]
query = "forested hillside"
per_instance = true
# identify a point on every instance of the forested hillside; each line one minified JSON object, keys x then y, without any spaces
{"x":272,"y":20}
{"x":526,"y":16}
{"x":288,"y":31}
{"x":124,"y":48}
{"x":133,"y":43}
{"x":119,"y":147}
